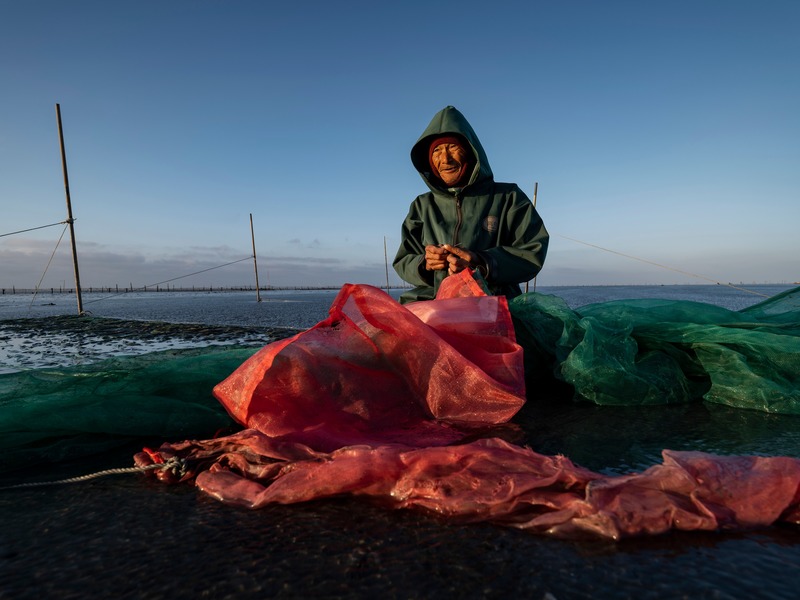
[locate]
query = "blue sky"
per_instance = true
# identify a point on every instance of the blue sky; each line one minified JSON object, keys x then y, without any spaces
{"x":662,"y":131}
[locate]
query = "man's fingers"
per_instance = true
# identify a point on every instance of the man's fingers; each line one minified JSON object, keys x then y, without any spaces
{"x":459,"y":252}
{"x":465,"y":255}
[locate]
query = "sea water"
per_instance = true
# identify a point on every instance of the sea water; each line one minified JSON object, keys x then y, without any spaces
{"x":304,"y":308}
{"x":129,"y":537}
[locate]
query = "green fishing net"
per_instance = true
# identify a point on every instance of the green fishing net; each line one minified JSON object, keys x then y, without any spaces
{"x":56,"y":414}
{"x":653,"y":351}
{"x":631,"y":352}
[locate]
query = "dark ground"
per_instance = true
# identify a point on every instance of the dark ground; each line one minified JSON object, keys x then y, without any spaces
{"x":128,"y":536}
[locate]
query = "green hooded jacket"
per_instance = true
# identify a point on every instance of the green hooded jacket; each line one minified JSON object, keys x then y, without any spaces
{"x":495,"y":220}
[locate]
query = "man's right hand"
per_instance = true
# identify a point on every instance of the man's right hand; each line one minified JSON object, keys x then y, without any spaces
{"x":436,"y":258}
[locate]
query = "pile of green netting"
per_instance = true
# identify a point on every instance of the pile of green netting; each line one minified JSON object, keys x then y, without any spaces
{"x":57,"y":414}
{"x":628,"y":352}
{"x":651,"y":351}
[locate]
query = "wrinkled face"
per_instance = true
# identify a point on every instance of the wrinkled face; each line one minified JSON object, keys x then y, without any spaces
{"x":448,"y":159}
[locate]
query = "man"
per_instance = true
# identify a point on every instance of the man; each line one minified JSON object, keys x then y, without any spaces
{"x":466,"y":220}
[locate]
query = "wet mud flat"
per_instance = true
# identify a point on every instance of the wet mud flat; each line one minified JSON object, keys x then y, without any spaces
{"x":66,"y":340}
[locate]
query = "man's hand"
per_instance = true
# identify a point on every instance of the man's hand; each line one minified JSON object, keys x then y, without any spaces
{"x":436,"y":258}
{"x":459,"y":259}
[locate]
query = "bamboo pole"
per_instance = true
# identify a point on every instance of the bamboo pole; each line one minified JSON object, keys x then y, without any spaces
{"x":535,"y":192}
{"x":70,"y":220}
{"x":386,"y":262}
{"x":255,"y":263}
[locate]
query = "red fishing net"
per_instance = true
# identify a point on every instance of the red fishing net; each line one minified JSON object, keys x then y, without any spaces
{"x":403,"y":403}
{"x":375,"y":372}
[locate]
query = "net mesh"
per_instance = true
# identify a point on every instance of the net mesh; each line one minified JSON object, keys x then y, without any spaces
{"x":652,"y":351}
{"x":56,"y":414}
{"x":374,"y":371}
{"x":407,"y":405}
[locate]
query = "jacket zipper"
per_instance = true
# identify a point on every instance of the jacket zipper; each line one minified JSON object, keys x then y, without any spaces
{"x":457,"y":228}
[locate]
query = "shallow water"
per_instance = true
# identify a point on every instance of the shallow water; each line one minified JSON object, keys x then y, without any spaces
{"x":132,"y":538}
{"x":304,"y":308}
{"x":70,"y":340}
{"x":277,"y":309}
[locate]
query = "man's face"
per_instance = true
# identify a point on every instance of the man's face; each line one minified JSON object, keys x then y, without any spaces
{"x":448,"y":159}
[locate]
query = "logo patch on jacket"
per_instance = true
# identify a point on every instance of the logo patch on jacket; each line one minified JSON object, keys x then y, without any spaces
{"x":490,"y":224}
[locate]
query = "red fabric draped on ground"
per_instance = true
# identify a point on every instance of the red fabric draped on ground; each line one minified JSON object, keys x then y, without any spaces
{"x":492,"y":480}
{"x":375,"y":372}
{"x":379,"y":400}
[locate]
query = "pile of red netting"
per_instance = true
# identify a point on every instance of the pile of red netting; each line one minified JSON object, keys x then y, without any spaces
{"x":408,"y":405}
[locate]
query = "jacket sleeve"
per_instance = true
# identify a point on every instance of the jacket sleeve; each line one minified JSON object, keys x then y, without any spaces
{"x":522,"y":244}
{"x":410,"y":258}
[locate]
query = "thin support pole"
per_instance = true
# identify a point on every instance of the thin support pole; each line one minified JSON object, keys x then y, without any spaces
{"x":535,"y":192}
{"x":70,"y":220}
{"x":386,"y":262}
{"x":255,"y":263}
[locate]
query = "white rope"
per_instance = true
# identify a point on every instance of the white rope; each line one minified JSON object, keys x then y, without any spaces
{"x":170,"y":280}
{"x":176,"y":465}
{"x":33,"y":228}
{"x":650,"y":262}
{"x":38,"y":285}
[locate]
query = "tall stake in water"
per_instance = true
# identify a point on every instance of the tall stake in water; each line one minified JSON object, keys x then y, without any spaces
{"x":386,"y":263}
{"x":70,"y":220}
{"x":255,"y":263}
{"x":535,"y":191}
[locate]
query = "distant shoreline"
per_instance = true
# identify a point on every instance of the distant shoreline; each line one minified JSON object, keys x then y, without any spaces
{"x":157,"y":289}
{"x":13,"y":290}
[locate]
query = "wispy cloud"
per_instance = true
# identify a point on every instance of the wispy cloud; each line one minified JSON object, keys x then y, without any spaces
{"x":24,"y":262}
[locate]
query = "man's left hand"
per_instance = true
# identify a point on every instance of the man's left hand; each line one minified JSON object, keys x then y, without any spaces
{"x":460,"y":259}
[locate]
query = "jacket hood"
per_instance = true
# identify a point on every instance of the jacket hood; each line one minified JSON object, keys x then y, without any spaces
{"x":449,"y":121}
